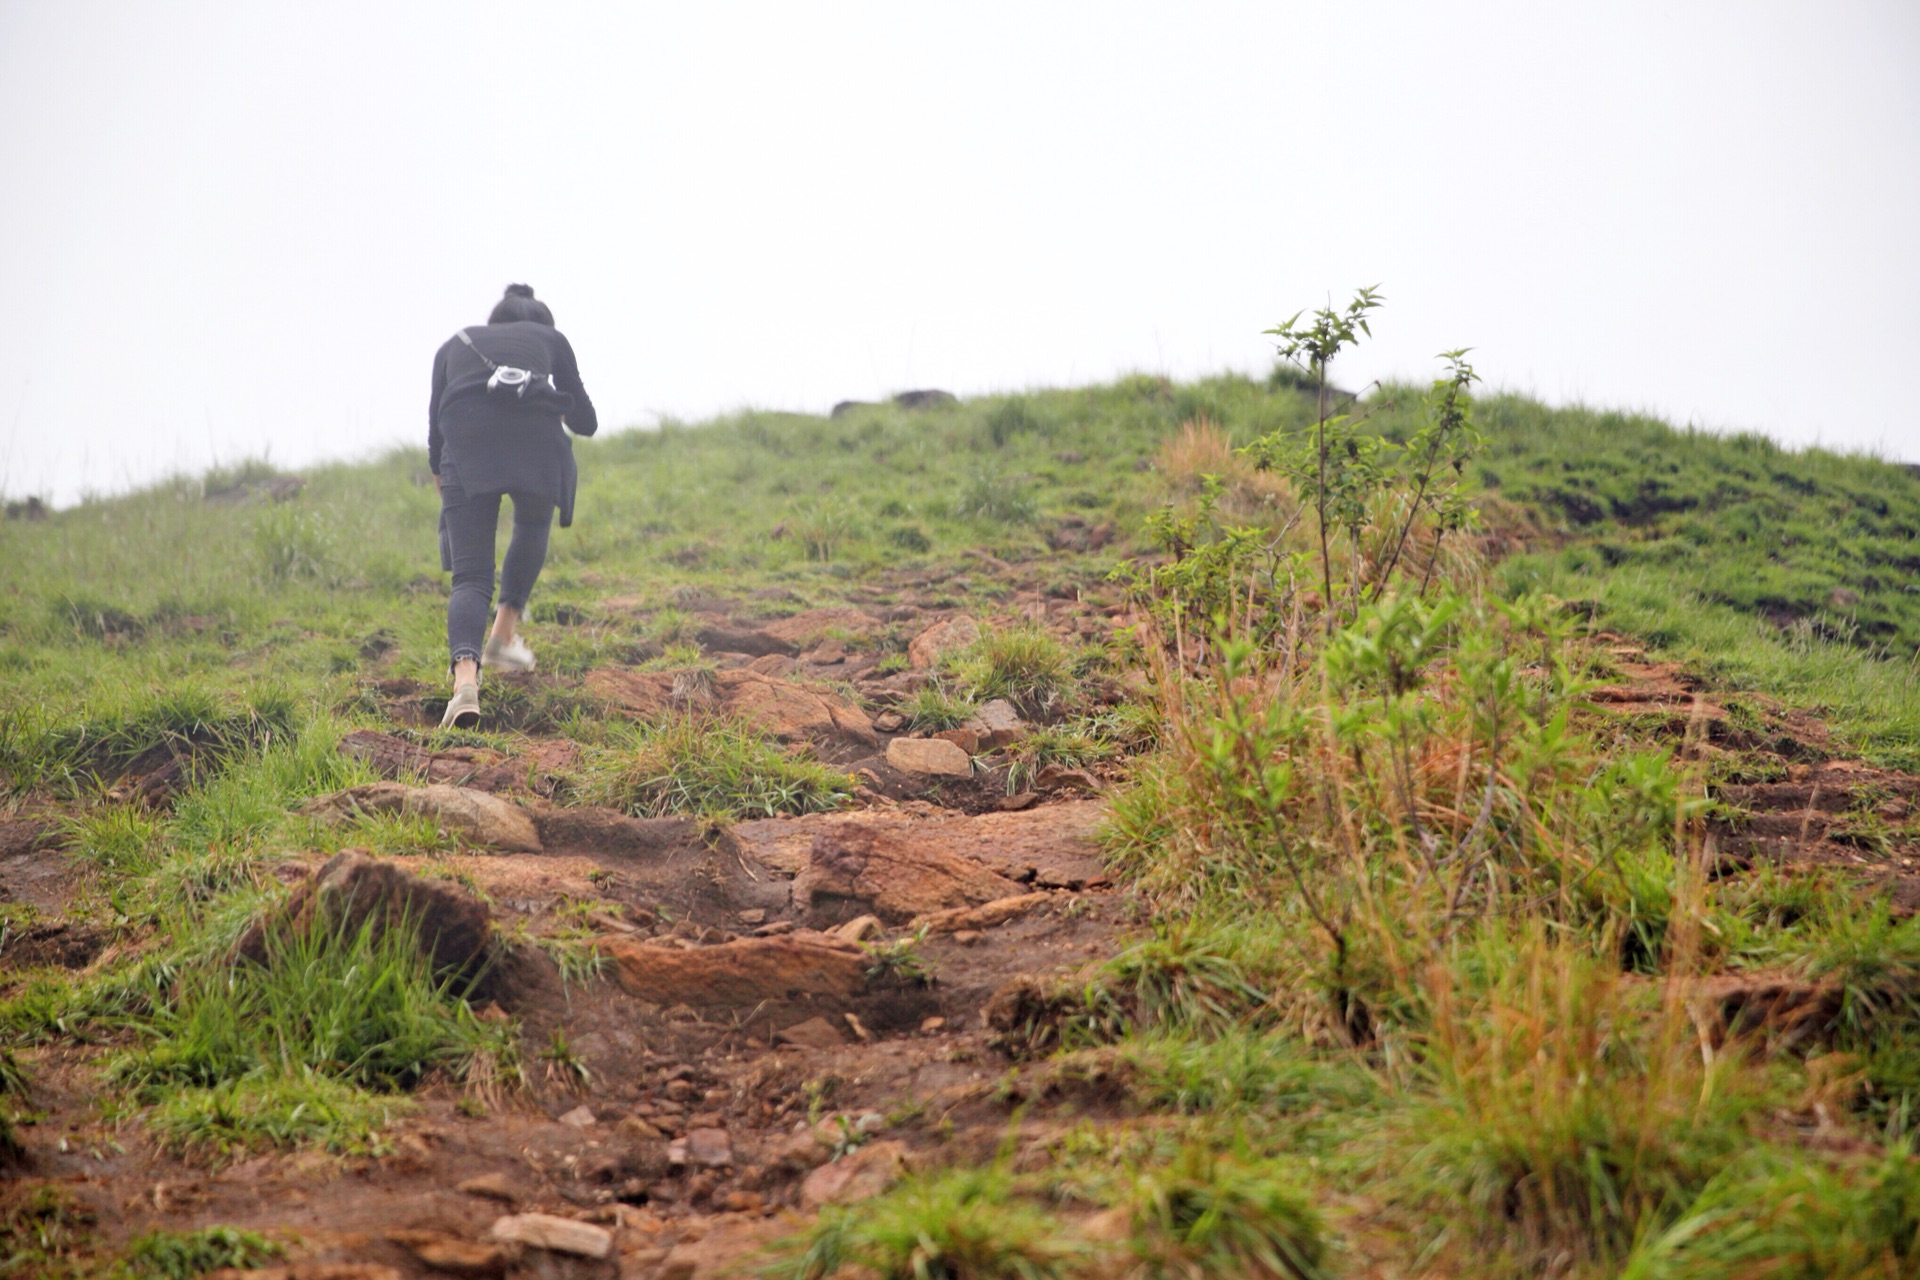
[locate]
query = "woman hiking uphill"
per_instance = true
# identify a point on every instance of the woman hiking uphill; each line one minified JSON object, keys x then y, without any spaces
{"x":505,"y":394}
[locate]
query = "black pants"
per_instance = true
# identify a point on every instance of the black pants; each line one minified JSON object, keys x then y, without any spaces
{"x":469,"y":525}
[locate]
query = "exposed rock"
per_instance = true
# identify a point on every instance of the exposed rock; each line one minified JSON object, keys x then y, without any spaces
{"x":777,"y":665}
{"x":729,"y":1248}
{"x":888,"y":869}
{"x":858,"y":929}
{"x":652,"y":694}
{"x":792,"y":712}
{"x":1052,"y":845}
{"x":928,"y":398}
{"x":558,"y":1235}
{"x":860,"y":1175}
{"x":450,"y":1253}
{"x":475,"y":816}
{"x":985,"y":916}
{"x":929,"y":757}
{"x":964,"y":738}
{"x":351,"y":889}
{"x":490,"y":1186}
{"x":997,"y":723}
{"x":396,"y":758}
{"x":743,"y":972}
{"x":27,"y":835}
{"x":720,"y":634}
{"x":310,"y":1271}
{"x":1060,"y":778}
{"x":580,"y":1118}
{"x":814,"y":1033}
{"x":787,"y":711}
{"x":608,"y":831}
{"x":709,"y":1148}
{"x":803,"y":628}
{"x":958,"y":632}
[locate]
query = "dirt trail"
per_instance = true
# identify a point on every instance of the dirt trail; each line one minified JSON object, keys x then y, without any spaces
{"x":743,"y":1056}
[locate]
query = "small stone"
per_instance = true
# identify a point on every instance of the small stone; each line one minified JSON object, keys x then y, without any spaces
{"x":558,"y":1235}
{"x":710,"y":1147}
{"x":814,"y":1033}
{"x":754,"y":915}
{"x":861,"y":1175}
{"x":635,"y":1127}
{"x":933,"y":1026}
{"x":490,"y":1186}
{"x":998,"y":723}
{"x":889,"y":722}
{"x":964,"y":738}
{"x":580,"y":1118}
{"x":1059,"y":778}
{"x":450,"y":1253}
{"x":967,"y":937}
{"x":742,"y":1202}
{"x":859,"y":929}
{"x":934,"y":757}
{"x":871,"y":1122}
{"x":679,"y":1090}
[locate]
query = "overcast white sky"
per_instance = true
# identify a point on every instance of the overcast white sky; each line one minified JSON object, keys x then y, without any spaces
{"x":234,"y":229}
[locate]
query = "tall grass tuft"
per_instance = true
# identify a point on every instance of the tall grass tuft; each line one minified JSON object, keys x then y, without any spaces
{"x":697,"y":764}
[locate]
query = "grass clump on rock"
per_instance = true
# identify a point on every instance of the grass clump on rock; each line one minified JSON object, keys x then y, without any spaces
{"x":294,"y":1050}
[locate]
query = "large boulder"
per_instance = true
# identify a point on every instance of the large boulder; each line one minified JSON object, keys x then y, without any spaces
{"x":737,"y":974}
{"x":886,"y":868}
{"x":352,"y":890}
{"x":474,"y":816}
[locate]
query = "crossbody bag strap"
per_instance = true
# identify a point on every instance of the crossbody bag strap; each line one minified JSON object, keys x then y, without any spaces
{"x":462,"y":335}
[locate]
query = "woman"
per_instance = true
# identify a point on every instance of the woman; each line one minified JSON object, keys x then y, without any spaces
{"x":504,"y":396}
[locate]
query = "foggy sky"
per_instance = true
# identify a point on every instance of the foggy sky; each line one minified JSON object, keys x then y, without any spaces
{"x":230,"y":230}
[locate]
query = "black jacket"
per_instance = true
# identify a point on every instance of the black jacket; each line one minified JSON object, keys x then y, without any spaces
{"x":485,"y":442}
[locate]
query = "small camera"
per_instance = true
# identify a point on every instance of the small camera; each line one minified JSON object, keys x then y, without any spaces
{"x":516,"y":380}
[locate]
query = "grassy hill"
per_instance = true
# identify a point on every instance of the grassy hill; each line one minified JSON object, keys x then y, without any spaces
{"x":1555,"y":920}
{"x":1790,"y":572}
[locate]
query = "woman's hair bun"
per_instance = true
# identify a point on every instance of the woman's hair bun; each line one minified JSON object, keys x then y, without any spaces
{"x":518,"y":291}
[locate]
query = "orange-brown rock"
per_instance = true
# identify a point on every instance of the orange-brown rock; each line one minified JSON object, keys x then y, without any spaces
{"x":784,"y":709}
{"x":927,"y":648}
{"x":743,"y":972}
{"x":886,"y":868}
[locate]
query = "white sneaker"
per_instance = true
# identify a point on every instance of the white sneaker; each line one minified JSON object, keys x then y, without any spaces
{"x":463,"y":708}
{"x":511,"y":656}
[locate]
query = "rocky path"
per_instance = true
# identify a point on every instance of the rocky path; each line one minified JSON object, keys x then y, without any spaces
{"x":764,"y":1017}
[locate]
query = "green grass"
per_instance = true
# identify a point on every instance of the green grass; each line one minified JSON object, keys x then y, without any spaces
{"x":696,"y":764}
{"x":1324,"y":1034}
{"x":182,"y":1255}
